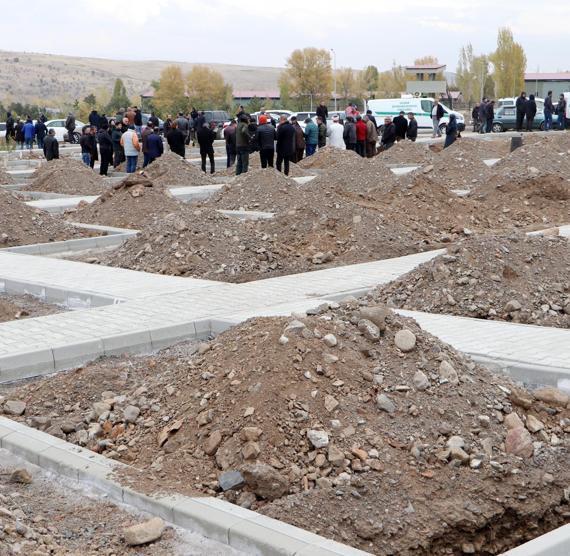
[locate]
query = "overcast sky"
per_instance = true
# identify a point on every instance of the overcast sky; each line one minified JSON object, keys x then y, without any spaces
{"x":264,"y":32}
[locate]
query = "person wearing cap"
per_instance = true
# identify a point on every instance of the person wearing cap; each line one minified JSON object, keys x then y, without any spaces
{"x":206,"y":136}
{"x":335,"y":134}
{"x":285,"y":144}
{"x":371,"y":118}
{"x":265,"y":138}
{"x":311,"y":137}
{"x":412,"y":132}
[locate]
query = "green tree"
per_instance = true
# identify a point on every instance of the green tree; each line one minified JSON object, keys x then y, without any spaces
{"x":207,"y":89}
{"x":170,"y":97}
{"x":308,"y":75}
{"x":392,"y":83}
{"x":90,"y":101}
{"x":254,"y":105}
{"x":509,"y":63}
{"x":472,"y":75}
{"x":119,"y":99}
{"x":369,"y":80}
{"x":345,"y":83}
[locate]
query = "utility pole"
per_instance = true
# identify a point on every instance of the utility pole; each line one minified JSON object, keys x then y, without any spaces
{"x":334,"y":78}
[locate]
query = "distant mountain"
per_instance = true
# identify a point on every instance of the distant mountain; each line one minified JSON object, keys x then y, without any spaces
{"x":29,"y":77}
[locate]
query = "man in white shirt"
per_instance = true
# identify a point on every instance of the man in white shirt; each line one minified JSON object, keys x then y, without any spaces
{"x":335,"y":134}
{"x":436,"y":115}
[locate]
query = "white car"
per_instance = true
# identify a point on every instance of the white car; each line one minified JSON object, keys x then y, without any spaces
{"x":60,"y":131}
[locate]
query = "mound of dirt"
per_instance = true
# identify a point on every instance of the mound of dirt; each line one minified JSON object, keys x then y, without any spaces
{"x":519,"y":279}
{"x":5,"y":178}
{"x":357,"y":411}
{"x":329,"y":157}
{"x":67,"y":176}
{"x":255,"y":164}
{"x":171,"y":169}
{"x":128,"y":204}
{"x":22,"y":225}
{"x":407,"y":152}
{"x":488,"y":147}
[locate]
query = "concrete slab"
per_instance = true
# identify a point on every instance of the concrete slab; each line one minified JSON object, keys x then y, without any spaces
{"x":555,"y":543}
{"x":61,"y":204}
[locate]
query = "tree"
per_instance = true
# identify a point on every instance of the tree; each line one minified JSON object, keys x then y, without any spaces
{"x":254,"y":105}
{"x":392,"y":83}
{"x":207,"y":89}
{"x":472,"y":75}
{"x":308,"y":75}
{"x":119,"y":99}
{"x":170,"y":97}
{"x":90,"y":101}
{"x":369,"y":80}
{"x":345,"y":83}
{"x":509,"y":63}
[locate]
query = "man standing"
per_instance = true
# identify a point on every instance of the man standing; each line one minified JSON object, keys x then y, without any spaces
{"x":323,"y":111}
{"x":176,"y":139}
{"x":94,"y":119}
{"x":130,"y":142}
{"x":70,"y":126}
{"x":243,"y":137}
{"x":361,"y":133}
{"x":482,"y":116}
{"x":118,"y":151}
{"x":335,"y":133}
{"x":548,"y":111}
{"x":371,"y":137}
{"x":349,"y":134}
{"x":41,"y":131}
{"x":155,"y":146}
{"x":401,"y":125}
{"x":265,"y":138}
{"x":299,"y":140}
{"x":412,"y":132}
{"x":521,"y":110}
{"x":322,"y":132}
{"x":138,"y":121}
{"x":206,"y":137}
{"x":372,"y":118}
{"x":436,"y":115}
{"x":561,"y":111}
{"x":530,"y":112}
{"x":145,"y":135}
{"x":105,"y":149}
{"x":490,"y":116}
{"x":230,"y":139}
{"x":93,"y":144}
{"x":388,"y":135}
{"x":184,"y":125}
{"x":51,"y":146}
{"x":29,"y":133}
{"x":10,"y":133}
{"x":311,"y":137}
{"x":285,"y":143}
{"x":154,"y":121}
{"x":85,"y":144}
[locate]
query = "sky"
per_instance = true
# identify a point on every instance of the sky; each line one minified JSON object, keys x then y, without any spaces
{"x":264,"y":32}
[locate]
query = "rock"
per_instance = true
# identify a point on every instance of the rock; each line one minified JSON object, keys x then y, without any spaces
{"x":361,"y":454}
{"x":295,"y":327}
{"x":319,"y":439}
{"x":40,"y":422}
{"x":324,"y":483}
{"x":144,"y":533}
{"x":384,"y":403}
{"x":14,"y":407}
{"x":512,"y":306}
{"x":330,"y":358}
{"x":68,"y":427}
{"x":330,"y":340}
{"x":250,"y":450}
{"x":369,"y":330}
{"x":367,"y":529}
{"x":550,"y":395}
{"x":447,"y":372}
{"x":265,"y":481}
{"x":231,"y":480}
{"x":21,"y":476}
{"x":131,"y":414}
{"x":484,"y":421}
{"x":101,"y":407}
{"x":455,"y":442}
{"x":203,"y":348}
{"x":212,"y":444}
{"x":421,"y":381}
{"x":376,"y":315}
{"x":513,"y":421}
{"x":335,"y":455}
{"x":521,"y":400}
{"x":331,"y":403}
{"x":283,"y":340}
{"x":533,"y":424}
{"x":405,"y":340}
{"x":246,"y":500}
{"x":459,"y":454}
{"x":519,"y":443}
{"x":250,"y":434}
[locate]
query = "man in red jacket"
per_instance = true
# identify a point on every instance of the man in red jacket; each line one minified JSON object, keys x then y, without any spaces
{"x":361,"y":133}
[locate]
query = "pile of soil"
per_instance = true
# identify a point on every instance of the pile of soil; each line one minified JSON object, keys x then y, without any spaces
{"x":515,"y":278}
{"x":329,"y":157}
{"x":67,"y":176}
{"x":171,"y":169}
{"x":407,"y":152}
{"x":410,"y":447}
{"x":255,"y":164}
{"x":487,"y":148}
{"x":128,"y":204}
{"x":23,"y":307}
{"x":22,"y":225}
{"x":5,"y":178}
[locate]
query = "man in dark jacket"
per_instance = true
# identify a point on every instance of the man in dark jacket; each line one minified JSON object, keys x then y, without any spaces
{"x":93,"y":146}
{"x":371,"y":118}
{"x":412,"y":132}
{"x":230,"y":139}
{"x":51,"y":146}
{"x":176,"y":140}
{"x":521,"y":110}
{"x":70,"y":126}
{"x":265,"y":137}
{"x":388,"y":135}
{"x":94,"y":120}
{"x":206,"y":137}
{"x":300,"y":142}
{"x":243,"y":138}
{"x":155,"y":145}
{"x":322,"y":132}
{"x":561,"y":111}
{"x":323,"y":111}
{"x":548,"y":111}
{"x":105,"y":149}
{"x":85,"y":144}
{"x":138,"y":120}
{"x":10,"y":131}
{"x":401,"y":125}
{"x":145,"y":135}
{"x":118,"y":151}
{"x":286,"y":137}
{"x":482,"y":116}
{"x":530,"y":112}
{"x":152,"y":119}
{"x":490,"y":116}
{"x":349,"y":134}
{"x":41,"y":132}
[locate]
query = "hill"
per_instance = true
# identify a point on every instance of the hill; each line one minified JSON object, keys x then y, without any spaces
{"x":27,"y":77}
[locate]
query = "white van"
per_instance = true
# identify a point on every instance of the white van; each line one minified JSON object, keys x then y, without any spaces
{"x":421,"y":107}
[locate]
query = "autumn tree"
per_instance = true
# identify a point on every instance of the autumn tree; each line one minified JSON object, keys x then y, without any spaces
{"x":345,"y":82}
{"x":170,"y":97}
{"x":509,"y":63}
{"x":119,"y":99}
{"x":207,"y":89}
{"x":369,"y":80}
{"x":472,"y":77}
{"x":308,"y":75}
{"x":392,"y":83}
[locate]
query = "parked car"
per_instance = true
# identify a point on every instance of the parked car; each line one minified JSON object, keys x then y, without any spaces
{"x":506,"y":118}
{"x":61,"y":132}
{"x":145,"y":118}
{"x":220,"y":117}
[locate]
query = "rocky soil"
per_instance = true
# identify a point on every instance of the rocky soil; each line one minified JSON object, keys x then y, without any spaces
{"x":357,"y":411}
{"x":170,"y":169}
{"x":67,"y":176}
{"x":295,"y":171}
{"x":24,"y":306}
{"x":513,"y":278}
{"x":5,"y":178}
{"x":407,"y":152}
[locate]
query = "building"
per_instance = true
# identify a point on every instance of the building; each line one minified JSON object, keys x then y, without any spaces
{"x":243,"y":97}
{"x":540,"y":83}
{"x":426,"y":82}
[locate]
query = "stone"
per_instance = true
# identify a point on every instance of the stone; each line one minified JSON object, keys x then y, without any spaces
{"x":376,"y":315}
{"x":552,"y":396}
{"x":459,"y":454}
{"x":335,"y":455}
{"x":264,"y":480}
{"x":447,"y":372}
{"x":455,"y":442}
{"x":131,"y":414}
{"x":319,"y":439}
{"x":283,"y":340}
{"x":512,"y":306}
{"x":361,"y":454}
{"x":324,"y":483}
{"x":295,"y":327}
{"x":14,"y":407}
{"x":203,"y":348}
{"x":519,"y":443}
{"x":330,"y":358}
{"x":369,"y":330}
{"x":101,"y":407}
{"x":212,"y":444}
{"x":384,"y":403}
{"x":330,"y":340}
{"x":250,"y":434}
{"x":331,"y":403}
{"x":68,"y":427}
{"x":21,"y":476}
{"x":144,"y":533}
{"x":484,"y":421}
{"x":513,"y":421}
{"x":40,"y":422}
{"x":246,"y":500}
{"x":250,"y":450}
{"x":533,"y":424}
{"x":420,"y":381}
{"x":405,"y":340}
{"x":231,"y":480}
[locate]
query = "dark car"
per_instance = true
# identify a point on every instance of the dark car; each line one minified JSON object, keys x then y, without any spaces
{"x":506,"y":118}
{"x":220,"y":117}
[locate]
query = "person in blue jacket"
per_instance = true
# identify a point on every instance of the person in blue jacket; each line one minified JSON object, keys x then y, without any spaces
{"x":29,"y":133}
{"x":155,"y":146}
{"x":311,"y":137}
